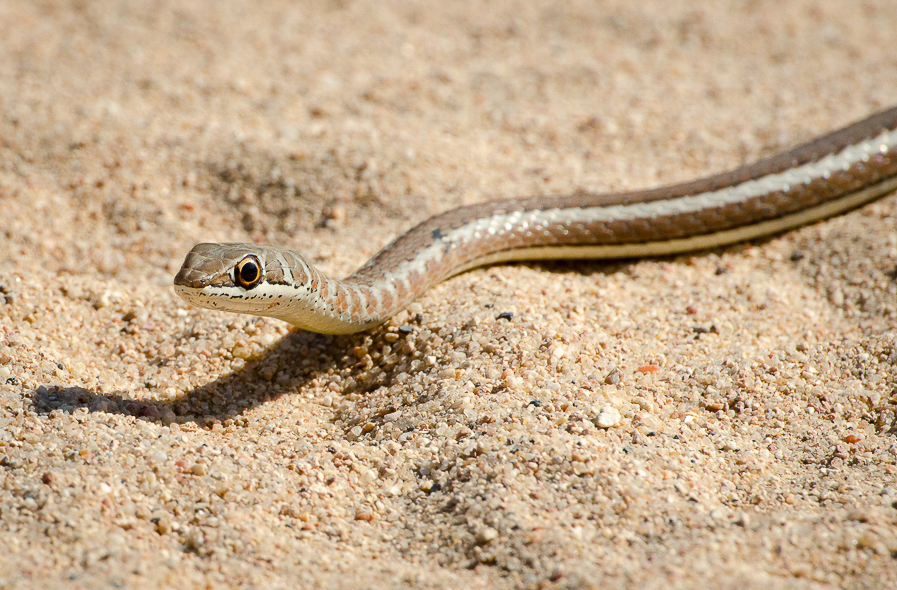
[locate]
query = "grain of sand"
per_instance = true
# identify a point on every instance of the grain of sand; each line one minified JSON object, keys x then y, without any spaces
{"x":724,"y":419}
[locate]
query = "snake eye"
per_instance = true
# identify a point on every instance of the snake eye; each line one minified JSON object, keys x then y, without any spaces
{"x":248,"y":272}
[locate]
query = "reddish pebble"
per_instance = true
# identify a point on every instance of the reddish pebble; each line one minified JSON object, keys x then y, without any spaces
{"x":364,"y":514}
{"x":852,"y":438}
{"x":648,"y":369}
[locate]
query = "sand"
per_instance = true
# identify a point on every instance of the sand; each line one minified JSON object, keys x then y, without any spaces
{"x":724,"y":419}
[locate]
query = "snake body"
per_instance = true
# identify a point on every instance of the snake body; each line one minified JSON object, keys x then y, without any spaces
{"x":827,"y":176}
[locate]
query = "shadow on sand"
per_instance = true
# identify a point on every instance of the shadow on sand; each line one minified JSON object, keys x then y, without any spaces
{"x":293,"y":361}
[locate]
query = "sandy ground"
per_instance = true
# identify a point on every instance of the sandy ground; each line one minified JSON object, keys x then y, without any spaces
{"x":748,"y":393}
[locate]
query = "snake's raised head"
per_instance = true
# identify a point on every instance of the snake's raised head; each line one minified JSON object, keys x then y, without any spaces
{"x":260,"y":280}
{"x":245,"y":276}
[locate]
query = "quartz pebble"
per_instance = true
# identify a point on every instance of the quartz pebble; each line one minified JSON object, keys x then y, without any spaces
{"x":608,"y":417}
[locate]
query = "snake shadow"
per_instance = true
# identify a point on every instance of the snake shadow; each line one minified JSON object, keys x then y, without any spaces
{"x":282,"y":369}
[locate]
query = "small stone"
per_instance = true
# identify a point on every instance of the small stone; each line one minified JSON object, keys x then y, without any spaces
{"x":511,"y":381}
{"x":164,"y":525}
{"x":613,"y":377}
{"x":486,"y":535}
{"x":241,"y":351}
{"x":651,"y":422}
{"x":608,"y":417}
{"x":268,"y":372}
{"x":167,"y":416}
{"x":364,"y":513}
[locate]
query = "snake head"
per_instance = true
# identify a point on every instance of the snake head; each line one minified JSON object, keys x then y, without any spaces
{"x":246,"y":276}
{"x":270,"y":282}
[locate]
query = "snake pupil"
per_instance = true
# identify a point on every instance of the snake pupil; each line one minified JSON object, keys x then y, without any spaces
{"x":249,"y":272}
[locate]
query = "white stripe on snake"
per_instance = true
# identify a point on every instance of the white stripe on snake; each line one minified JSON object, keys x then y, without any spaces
{"x":828,"y":176}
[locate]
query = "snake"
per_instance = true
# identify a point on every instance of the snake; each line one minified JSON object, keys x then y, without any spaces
{"x":827,"y":176}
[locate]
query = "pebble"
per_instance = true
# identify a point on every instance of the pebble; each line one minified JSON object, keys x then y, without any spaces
{"x":486,"y":535}
{"x":241,"y":351}
{"x":613,"y":377}
{"x":365,"y":514}
{"x":608,"y":417}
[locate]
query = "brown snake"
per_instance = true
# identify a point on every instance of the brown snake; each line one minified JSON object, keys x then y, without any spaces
{"x":827,"y":176}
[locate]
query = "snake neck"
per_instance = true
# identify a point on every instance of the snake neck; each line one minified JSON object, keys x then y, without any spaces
{"x":358,"y":302}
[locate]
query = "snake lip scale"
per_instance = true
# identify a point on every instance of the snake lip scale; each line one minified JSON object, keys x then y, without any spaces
{"x":828,"y":176}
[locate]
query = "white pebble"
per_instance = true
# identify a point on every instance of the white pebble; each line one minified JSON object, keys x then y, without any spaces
{"x":608,"y":417}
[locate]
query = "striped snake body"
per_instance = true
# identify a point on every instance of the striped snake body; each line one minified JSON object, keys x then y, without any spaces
{"x":827,"y":176}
